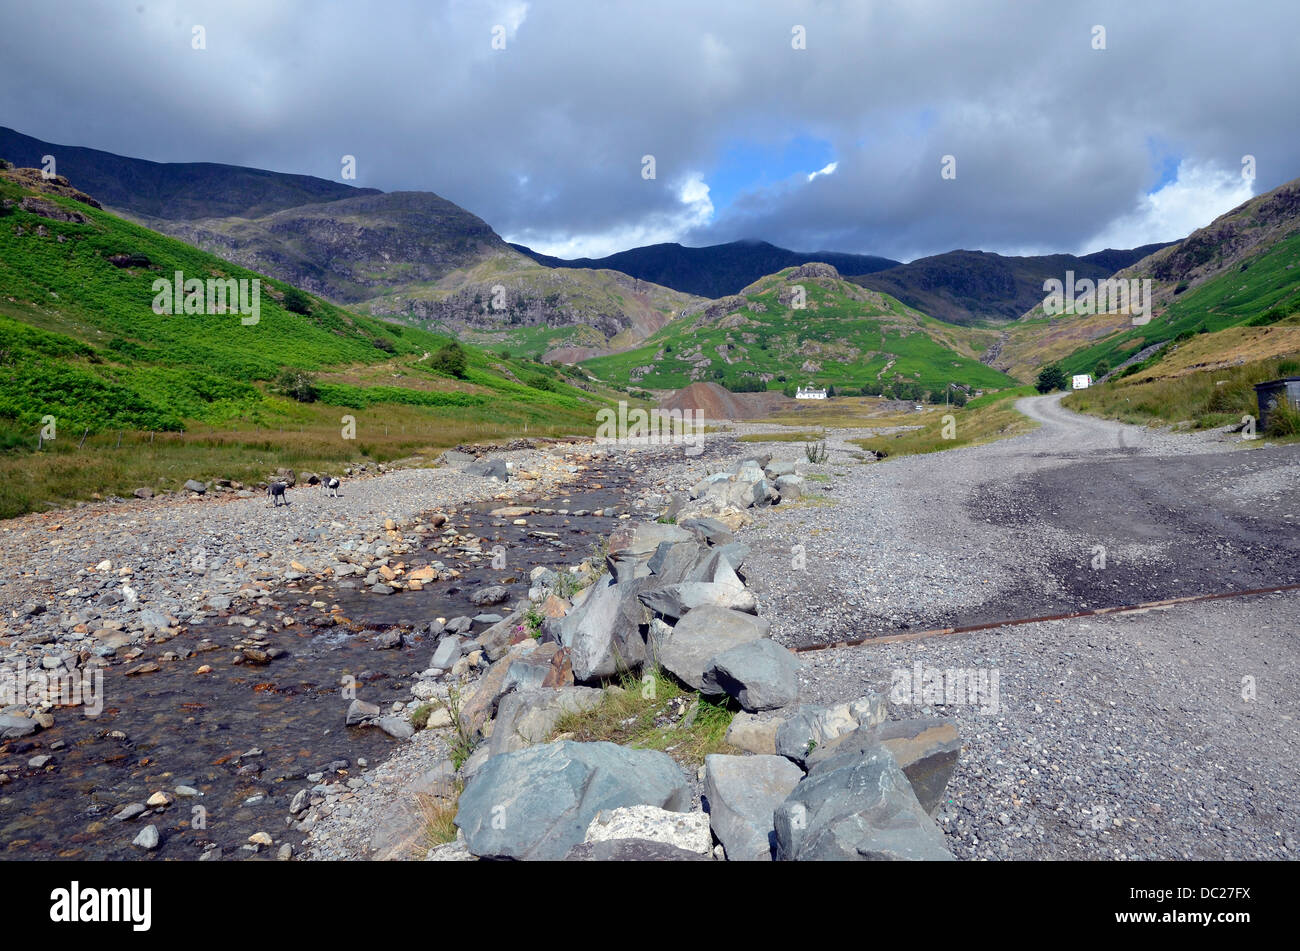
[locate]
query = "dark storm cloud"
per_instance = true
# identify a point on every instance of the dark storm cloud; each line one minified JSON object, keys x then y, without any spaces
{"x":1056,"y":144}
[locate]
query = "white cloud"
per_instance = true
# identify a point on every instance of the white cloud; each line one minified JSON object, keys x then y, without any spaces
{"x":1198,"y":194}
{"x":695,"y":210}
{"x":828,"y":170}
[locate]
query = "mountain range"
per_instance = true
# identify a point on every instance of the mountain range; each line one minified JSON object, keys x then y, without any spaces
{"x":666,"y":315}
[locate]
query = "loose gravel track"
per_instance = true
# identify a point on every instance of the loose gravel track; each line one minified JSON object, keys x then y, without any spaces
{"x":1120,"y":736}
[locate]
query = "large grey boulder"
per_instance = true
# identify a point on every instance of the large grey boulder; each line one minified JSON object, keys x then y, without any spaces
{"x":527,"y":717}
{"x":537,"y":803}
{"x":790,"y":486}
{"x":761,"y":675}
{"x":862,"y":808}
{"x":708,"y":531}
{"x":631,"y":547}
{"x":490,"y":469}
{"x":701,"y":635}
{"x":674,"y":561}
{"x":742,"y":793}
{"x":810,"y":726}
{"x":926,"y":750}
{"x":676,"y":600}
{"x":603,"y":632}
{"x":774,"y":470}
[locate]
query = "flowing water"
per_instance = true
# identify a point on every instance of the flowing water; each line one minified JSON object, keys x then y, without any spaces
{"x":247,"y":737}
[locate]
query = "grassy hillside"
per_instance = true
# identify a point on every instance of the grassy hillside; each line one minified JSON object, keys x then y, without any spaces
{"x":845,"y":336}
{"x":1243,"y":269}
{"x":79,"y":341}
{"x":1263,"y":290}
{"x":1181,"y":389}
{"x":543,"y":309}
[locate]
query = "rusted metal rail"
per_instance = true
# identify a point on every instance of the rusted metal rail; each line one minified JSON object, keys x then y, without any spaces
{"x":1095,"y":612}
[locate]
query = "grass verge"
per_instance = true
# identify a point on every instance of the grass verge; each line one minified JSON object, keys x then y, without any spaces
{"x":654,"y":713}
{"x":968,"y":426}
{"x":1205,"y":399}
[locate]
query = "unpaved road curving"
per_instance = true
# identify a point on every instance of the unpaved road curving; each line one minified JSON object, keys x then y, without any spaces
{"x":1126,"y":736}
{"x":1079,"y":514}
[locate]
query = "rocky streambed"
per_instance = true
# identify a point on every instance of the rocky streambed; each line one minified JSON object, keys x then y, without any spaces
{"x":210,"y":727}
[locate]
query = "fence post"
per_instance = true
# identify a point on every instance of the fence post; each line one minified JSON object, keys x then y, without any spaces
{"x":83,"y":438}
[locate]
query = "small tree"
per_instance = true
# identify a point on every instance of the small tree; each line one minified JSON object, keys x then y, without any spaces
{"x":1101,"y":369}
{"x":296,"y":301}
{"x":1050,"y":378}
{"x":450,"y":360}
{"x":298,"y":385}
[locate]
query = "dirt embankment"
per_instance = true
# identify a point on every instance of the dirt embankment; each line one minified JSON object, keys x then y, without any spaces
{"x":717,"y":402}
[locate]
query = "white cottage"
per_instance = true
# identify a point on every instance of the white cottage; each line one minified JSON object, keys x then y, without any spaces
{"x":809,"y":393}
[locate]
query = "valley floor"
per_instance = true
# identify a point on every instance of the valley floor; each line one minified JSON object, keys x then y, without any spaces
{"x":1122,"y":736}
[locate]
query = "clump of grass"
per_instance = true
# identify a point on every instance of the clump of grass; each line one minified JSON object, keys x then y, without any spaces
{"x":654,"y":712}
{"x":1283,"y":420}
{"x":816,"y":452}
{"x":438,"y":818}
{"x":420,"y":716}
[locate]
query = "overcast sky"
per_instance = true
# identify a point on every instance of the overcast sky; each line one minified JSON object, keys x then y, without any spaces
{"x":1058,"y":145}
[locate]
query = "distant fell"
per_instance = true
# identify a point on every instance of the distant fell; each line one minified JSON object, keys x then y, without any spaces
{"x":713,"y":271}
{"x":174,"y":190}
{"x":969,"y":287}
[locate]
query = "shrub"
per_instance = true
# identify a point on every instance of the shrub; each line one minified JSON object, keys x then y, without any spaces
{"x":1050,"y":378}
{"x":298,"y":385}
{"x":450,"y":360}
{"x":297,"y":302}
{"x":1283,"y":420}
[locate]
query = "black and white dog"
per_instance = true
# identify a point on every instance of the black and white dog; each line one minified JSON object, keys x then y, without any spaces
{"x":276,"y":491}
{"x":331,"y":485}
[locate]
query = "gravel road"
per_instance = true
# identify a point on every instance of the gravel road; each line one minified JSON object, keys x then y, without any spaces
{"x":1118,"y":736}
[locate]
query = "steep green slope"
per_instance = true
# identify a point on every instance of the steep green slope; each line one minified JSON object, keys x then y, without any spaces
{"x":79,"y":338}
{"x":845,"y":336}
{"x":1259,"y":291}
{"x":1242,"y":268}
